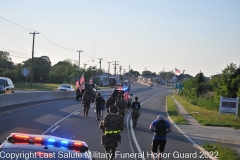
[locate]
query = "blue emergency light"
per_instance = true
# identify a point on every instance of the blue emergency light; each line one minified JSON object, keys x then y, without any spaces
{"x":50,"y":141}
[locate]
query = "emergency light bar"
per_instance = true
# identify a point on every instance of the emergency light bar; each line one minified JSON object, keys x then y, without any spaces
{"x":47,"y":140}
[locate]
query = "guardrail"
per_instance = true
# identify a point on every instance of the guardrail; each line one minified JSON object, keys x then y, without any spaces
{"x":26,"y":97}
{"x":18,"y":98}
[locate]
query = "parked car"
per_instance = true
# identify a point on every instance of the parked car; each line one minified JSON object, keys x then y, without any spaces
{"x":6,"y":85}
{"x":65,"y":87}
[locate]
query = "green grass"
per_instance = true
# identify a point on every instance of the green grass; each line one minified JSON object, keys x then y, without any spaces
{"x":209,"y":117}
{"x":221,"y":152}
{"x":173,"y":112}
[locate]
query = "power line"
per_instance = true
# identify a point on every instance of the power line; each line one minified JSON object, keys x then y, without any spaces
{"x":16,"y":24}
{"x":17,"y":56}
{"x":35,"y":42}
{"x":33,"y":30}
{"x":13,"y":26}
{"x":89,"y":55}
{"x":57,"y":44}
{"x":48,"y":40}
{"x":14,"y":36}
{"x":14,"y":51}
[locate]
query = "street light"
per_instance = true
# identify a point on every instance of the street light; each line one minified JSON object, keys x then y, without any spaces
{"x":183,"y":74}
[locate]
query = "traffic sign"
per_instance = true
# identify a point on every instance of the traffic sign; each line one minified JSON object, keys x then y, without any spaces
{"x":25,"y":72}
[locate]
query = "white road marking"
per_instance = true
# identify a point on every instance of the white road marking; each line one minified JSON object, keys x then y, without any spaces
{"x":76,"y":113}
{"x":131,"y":128}
{"x":187,"y":136}
{"x":54,"y":129}
{"x":130,"y":143}
{"x":55,"y":124}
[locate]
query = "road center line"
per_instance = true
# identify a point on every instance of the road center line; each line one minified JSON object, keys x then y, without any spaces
{"x":55,"y":124}
{"x":54,"y":129}
{"x":76,"y":113}
{"x":131,"y":128}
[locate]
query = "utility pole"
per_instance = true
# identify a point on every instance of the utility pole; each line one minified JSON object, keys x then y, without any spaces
{"x":183,"y":74}
{"x":124,"y":71}
{"x":79,"y":63}
{"x":32,"y":56}
{"x":120,"y":69}
{"x":129,"y":72}
{"x":108,"y":70}
{"x":115,"y":67}
{"x":100,"y":59}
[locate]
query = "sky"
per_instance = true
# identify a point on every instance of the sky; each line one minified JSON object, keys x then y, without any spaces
{"x":152,"y":35}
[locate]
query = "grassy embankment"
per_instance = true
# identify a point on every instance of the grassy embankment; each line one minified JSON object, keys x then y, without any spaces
{"x":173,"y":112}
{"x":221,"y":152}
{"x":40,"y":86}
{"x":210,"y":118}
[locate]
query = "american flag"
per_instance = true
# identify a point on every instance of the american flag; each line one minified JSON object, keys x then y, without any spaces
{"x":81,"y":79}
{"x":82,"y":82}
{"x":77,"y":84}
{"x":127,"y":92}
{"x":177,"y":70}
{"x":90,"y":81}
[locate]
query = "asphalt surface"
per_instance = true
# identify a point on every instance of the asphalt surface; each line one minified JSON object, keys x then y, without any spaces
{"x":64,"y":118}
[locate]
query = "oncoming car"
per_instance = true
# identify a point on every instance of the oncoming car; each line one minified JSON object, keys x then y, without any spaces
{"x":125,"y":91}
{"x":65,"y":87}
{"x":20,"y":146}
{"x":6,"y":85}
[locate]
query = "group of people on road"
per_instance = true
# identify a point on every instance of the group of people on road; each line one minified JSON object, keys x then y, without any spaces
{"x":113,"y":123}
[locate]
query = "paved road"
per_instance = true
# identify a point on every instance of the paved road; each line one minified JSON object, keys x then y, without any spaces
{"x":64,"y":118}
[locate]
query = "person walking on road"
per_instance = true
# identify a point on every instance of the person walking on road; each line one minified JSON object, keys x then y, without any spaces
{"x":86,"y":100}
{"x":110,"y":102}
{"x":122,"y":106}
{"x":160,"y":127}
{"x":98,"y":106}
{"x":103,"y":106}
{"x":111,"y":125}
{"x":135,"y":111}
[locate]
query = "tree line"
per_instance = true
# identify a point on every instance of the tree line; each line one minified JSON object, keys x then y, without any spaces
{"x":206,"y":93}
{"x":65,"y":71}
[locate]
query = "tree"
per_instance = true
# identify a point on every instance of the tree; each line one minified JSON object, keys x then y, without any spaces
{"x":228,"y":85}
{"x":148,"y":73}
{"x":5,"y":60}
{"x":166,"y":75}
{"x":200,"y":83}
{"x":64,"y":72}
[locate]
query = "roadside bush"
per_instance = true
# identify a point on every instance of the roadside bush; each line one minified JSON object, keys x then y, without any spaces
{"x":207,"y":102}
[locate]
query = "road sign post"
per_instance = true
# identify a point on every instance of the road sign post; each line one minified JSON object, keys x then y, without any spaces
{"x":228,"y":106}
{"x":25,"y":72}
